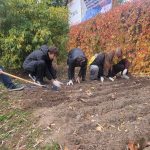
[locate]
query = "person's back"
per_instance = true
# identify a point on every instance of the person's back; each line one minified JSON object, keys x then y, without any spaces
{"x":101,"y":65}
{"x":76,"y":58}
{"x":96,"y":66}
{"x":74,"y":54}
{"x":39,"y":54}
{"x":99,"y":60}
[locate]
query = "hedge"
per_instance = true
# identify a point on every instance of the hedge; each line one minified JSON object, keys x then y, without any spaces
{"x":126,"y":26}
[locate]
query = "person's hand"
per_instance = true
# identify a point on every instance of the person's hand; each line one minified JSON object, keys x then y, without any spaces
{"x":111,"y":79}
{"x":78,"y":79}
{"x":125,"y":71}
{"x":57,"y":83}
{"x":102,"y":79}
{"x":1,"y":71}
{"x":70,"y":83}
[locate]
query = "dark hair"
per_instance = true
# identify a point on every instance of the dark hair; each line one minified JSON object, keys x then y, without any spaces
{"x":53,"y":50}
{"x":81,"y":61}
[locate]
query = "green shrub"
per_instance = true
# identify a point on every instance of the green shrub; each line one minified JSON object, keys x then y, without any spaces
{"x":28,"y":25}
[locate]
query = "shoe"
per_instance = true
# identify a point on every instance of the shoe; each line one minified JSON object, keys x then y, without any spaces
{"x":16,"y":88}
{"x":125,"y":77}
{"x":33,"y":78}
{"x":111,"y":79}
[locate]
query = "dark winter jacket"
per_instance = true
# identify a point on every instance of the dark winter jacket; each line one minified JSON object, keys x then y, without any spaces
{"x":73,"y":55}
{"x":99,"y":60}
{"x":104,"y":60}
{"x":39,"y":55}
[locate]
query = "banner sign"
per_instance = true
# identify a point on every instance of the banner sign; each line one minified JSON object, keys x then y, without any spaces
{"x":82,"y":10}
{"x":75,"y":15}
{"x":94,"y":7}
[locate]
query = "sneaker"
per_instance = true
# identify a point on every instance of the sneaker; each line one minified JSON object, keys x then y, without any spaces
{"x":111,"y":79}
{"x":125,"y":77}
{"x":33,"y":78}
{"x":16,"y":88}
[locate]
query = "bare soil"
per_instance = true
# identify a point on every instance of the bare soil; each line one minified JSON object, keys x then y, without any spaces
{"x":91,"y":115}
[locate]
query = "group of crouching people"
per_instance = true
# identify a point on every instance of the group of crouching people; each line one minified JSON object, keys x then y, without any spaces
{"x":102,"y":65}
{"x":39,"y":64}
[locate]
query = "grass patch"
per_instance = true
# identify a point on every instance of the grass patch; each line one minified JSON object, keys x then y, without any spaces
{"x":3,"y":118}
{"x":53,"y":146}
{"x":17,"y":124}
{"x":13,"y":121}
{"x":31,"y":140}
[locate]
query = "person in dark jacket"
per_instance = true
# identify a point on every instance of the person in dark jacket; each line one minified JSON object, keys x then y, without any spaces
{"x":96,"y":67}
{"x":76,"y":58}
{"x":8,"y":82}
{"x":39,"y":65}
{"x":100,"y":66}
{"x":121,"y":64}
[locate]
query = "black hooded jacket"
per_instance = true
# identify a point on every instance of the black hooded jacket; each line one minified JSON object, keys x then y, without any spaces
{"x":39,"y":55}
{"x":72,"y":63}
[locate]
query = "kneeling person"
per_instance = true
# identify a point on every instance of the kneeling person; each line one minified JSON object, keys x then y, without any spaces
{"x":100,"y":66}
{"x":121,"y":64}
{"x":39,"y":65}
{"x":76,"y":58}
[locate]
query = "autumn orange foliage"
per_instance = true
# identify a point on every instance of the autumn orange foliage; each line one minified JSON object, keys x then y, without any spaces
{"x":126,"y":26}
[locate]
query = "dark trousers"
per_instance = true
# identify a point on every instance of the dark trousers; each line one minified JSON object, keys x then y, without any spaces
{"x":39,"y":69}
{"x":100,"y":73}
{"x":82,"y":72}
{"x":119,"y":67}
{"x":6,"y":80}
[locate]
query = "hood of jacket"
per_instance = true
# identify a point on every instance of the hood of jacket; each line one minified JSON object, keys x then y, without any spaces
{"x":44,"y":49}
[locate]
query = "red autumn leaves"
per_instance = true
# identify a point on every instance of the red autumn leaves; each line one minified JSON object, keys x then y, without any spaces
{"x":126,"y":26}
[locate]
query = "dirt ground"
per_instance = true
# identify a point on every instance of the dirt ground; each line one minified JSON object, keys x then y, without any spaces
{"x":91,"y":115}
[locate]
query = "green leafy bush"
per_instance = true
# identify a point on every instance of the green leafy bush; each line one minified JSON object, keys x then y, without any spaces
{"x":26,"y":25}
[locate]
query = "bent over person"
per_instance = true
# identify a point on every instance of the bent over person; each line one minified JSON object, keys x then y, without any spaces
{"x":100,"y":66}
{"x":76,"y":58}
{"x":121,"y":64}
{"x":39,"y":65}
